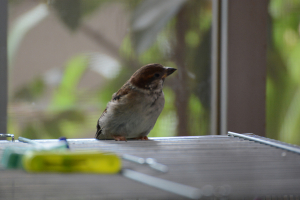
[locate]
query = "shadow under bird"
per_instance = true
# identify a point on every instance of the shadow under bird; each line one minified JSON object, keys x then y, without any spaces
{"x":134,"y":109}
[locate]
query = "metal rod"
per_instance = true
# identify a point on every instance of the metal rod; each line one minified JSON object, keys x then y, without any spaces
{"x":26,"y":140}
{"x":215,"y":68}
{"x":8,"y":135}
{"x":149,"y":161}
{"x":224,"y":68}
{"x":132,"y":158}
{"x":155,"y":165}
{"x":170,"y":186}
{"x":270,"y":143}
{"x":181,"y":138}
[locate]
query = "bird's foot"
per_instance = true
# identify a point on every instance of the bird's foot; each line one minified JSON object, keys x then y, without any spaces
{"x":120,"y":138}
{"x":142,"y":138}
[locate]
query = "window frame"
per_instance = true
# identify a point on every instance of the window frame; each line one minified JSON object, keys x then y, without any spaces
{"x":3,"y":66}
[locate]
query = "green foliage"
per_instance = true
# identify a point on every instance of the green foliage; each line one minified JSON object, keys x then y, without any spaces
{"x":30,"y":131}
{"x":66,"y":95}
{"x":149,"y":18}
{"x":32,"y":91}
{"x":71,"y":12}
{"x":198,"y":114}
{"x":63,"y":117}
{"x":192,"y":39}
{"x":152,"y":52}
{"x":55,"y":126}
{"x":66,"y":123}
{"x":126,"y":49}
{"x":90,"y":6}
{"x":283,"y":83}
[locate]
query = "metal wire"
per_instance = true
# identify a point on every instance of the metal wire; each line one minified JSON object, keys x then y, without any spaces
{"x":266,"y":142}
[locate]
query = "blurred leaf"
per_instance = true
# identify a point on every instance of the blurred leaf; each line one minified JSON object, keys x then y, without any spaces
{"x":290,"y":128}
{"x":71,"y":12}
{"x":149,"y":18}
{"x":198,"y":114}
{"x":205,"y":16}
{"x":280,"y":9}
{"x":278,"y":93}
{"x":14,"y":1}
{"x":66,"y":123}
{"x":283,"y":72}
{"x":201,"y":63}
{"x":31,"y":91}
{"x":21,"y":26}
{"x":294,"y":63}
{"x":192,"y":38}
{"x":126,"y":49}
{"x":154,"y":52}
{"x":90,"y":6}
{"x":13,"y":125}
{"x":31,"y":131}
{"x":55,"y":126}
{"x":65,"y":96}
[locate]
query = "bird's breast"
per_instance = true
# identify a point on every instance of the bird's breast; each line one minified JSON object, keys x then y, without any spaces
{"x":133,"y":117}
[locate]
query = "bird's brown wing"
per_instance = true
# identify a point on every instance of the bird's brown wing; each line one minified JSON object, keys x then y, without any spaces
{"x":115,"y":97}
{"x":121,"y":93}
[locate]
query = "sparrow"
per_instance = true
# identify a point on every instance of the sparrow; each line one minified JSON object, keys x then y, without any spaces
{"x":133,"y":110}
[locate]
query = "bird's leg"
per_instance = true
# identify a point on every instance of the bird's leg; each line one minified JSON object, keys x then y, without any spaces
{"x":119,"y":138}
{"x":145,"y":138}
{"x":142,"y":138}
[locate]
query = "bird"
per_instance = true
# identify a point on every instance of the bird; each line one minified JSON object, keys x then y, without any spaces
{"x":134,"y":108}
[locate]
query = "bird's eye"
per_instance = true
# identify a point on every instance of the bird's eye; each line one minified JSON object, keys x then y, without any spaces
{"x":156,"y":75}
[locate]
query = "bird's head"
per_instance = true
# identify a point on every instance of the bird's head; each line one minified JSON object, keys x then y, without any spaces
{"x":151,"y":76}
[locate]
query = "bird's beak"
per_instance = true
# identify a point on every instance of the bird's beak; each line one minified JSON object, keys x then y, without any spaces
{"x":169,"y":71}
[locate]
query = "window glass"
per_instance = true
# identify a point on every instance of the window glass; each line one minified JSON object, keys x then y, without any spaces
{"x":67,"y":58}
